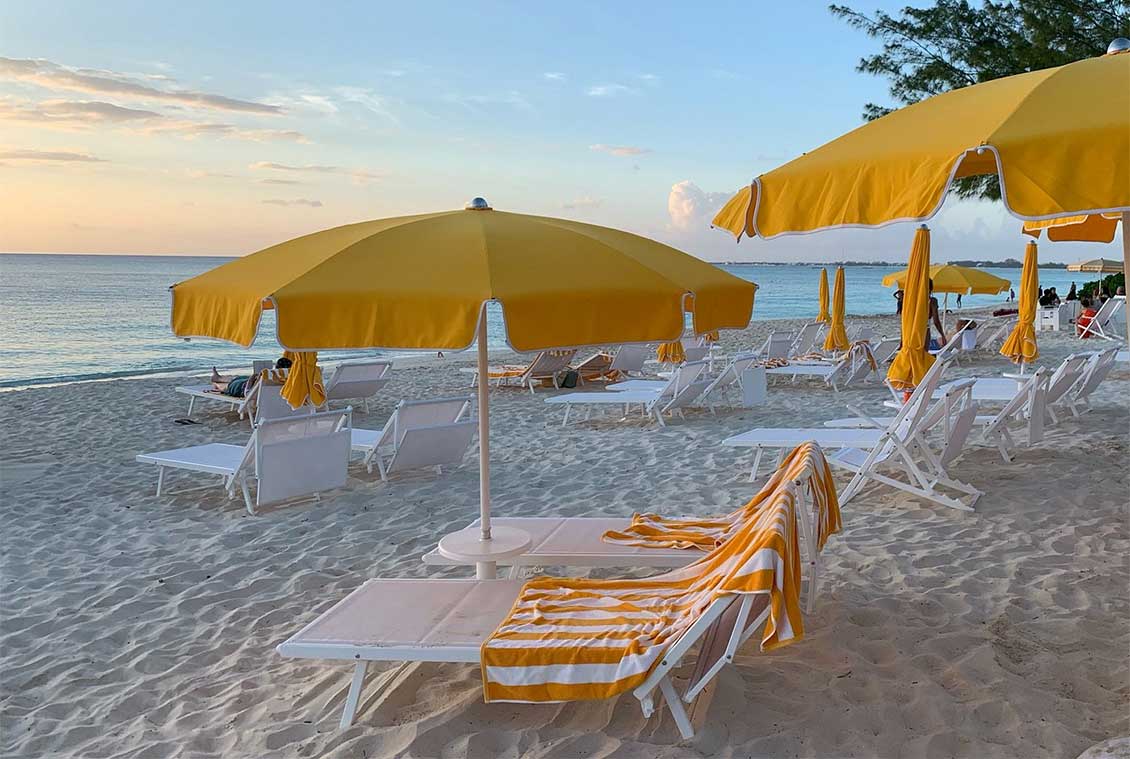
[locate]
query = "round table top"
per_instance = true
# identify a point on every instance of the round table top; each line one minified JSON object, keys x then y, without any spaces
{"x":467,"y":545}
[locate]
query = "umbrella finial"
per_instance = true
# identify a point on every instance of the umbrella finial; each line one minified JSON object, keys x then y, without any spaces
{"x":1118,"y":45}
{"x":477,"y":204}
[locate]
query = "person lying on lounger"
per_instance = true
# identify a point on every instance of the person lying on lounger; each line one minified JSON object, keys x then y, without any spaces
{"x":240,"y":385}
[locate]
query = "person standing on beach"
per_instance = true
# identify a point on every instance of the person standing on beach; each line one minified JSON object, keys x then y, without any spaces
{"x":959,"y":301}
{"x":936,"y":319}
{"x":898,"y":302}
{"x":1071,"y":294}
{"x":1011,"y":295}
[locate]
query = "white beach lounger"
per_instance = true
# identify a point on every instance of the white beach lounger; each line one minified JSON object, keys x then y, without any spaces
{"x":448,"y":620}
{"x":418,"y":434}
{"x":578,"y":542}
{"x":863,"y":451}
{"x":728,"y":379}
{"x":1026,"y":405}
{"x":678,"y":392}
{"x":205,"y":392}
{"x":628,"y":360}
{"x":358,"y":380}
{"x":1100,"y":325}
{"x":777,"y":345}
{"x":862,"y":333}
{"x":1099,"y":365}
{"x":846,"y":372}
{"x":287,"y":458}
{"x":546,"y":365}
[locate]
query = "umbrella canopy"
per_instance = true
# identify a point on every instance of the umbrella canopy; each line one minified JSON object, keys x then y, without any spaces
{"x":420,"y":282}
{"x":1097,"y":227}
{"x":823,"y":315}
{"x":956,"y":279}
{"x":836,"y":339}
{"x":424,"y":281}
{"x":912,"y":361}
{"x":1058,"y":139}
{"x":962,"y":280}
{"x":671,"y":353}
{"x":1020,"y":347}
{"x":1097,"y":266}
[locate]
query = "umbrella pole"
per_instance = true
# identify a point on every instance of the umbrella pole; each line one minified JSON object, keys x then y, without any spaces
{"x":484,"y":570}
{"x":1126,"y":263}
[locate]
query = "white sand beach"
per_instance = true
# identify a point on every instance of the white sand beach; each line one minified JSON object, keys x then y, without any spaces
{"x":137,"y":626}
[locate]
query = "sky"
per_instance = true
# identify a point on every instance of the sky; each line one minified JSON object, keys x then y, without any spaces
{"x":214,"y":128}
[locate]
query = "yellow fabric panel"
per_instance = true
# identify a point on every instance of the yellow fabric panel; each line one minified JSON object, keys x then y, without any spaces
{"x":912,"y":361}
{"x":1062,"y":134}
{"x":304,"y":381}
{"x":837,"y":339}
{"x":1020,"y":347}
{"x":420,"y":281}
{"x":1091,"y":228}
{"x":671,"y":353}
{"x":956,"y":279}
{"x":735,"y":215}
{"x":823,"y":315}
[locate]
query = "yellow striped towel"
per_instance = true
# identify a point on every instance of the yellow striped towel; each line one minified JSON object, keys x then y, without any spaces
{"x":654,"y":531}
{"x":569,"y":639}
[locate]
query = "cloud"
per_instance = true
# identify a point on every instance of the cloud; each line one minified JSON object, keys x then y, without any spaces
{"x":620,"y":150}
{"x":78,"y":112}
{"x":691,"y":208}
{"x":55,"y":156}
{"x":278,"y":181}
{"x":193,"y":129}
{"x":581,"y":204}
{"x":649,"y":78}
{"x":58,"y":77}
{"x":359,"y":176}
{"x":295,"y":202}
{"x":202,"y":174}
{"x":608,"y":90}
{"x":511,"y":98}
{"x":554,"y":76}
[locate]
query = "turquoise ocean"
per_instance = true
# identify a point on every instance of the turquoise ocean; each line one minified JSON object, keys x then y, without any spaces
{"x":68,"y":318}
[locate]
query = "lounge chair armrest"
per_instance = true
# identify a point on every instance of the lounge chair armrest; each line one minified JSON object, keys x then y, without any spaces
{"x":865,"y":417}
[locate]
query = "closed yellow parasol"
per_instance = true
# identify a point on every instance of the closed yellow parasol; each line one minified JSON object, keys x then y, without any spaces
{"x":836,"y":339}
{"x":912,"y":361}
{"x":823,"y":316}
{"x":1020,"y":347}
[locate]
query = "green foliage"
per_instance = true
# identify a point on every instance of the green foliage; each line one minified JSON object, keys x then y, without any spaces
{"x":956,"y":43}
{"x":1111,"y":283}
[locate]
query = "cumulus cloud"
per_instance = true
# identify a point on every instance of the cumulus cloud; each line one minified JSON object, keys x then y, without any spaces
{"x":689,"y":207}
{"x":581,"y":204}
{"x":53,"y":156}
{"x":295,"y":202}
{"x":608,"y":90}
{"x":620,"y":150}
{"x":56,"y":76}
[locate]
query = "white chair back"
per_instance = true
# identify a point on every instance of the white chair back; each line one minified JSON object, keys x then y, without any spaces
{"x":885,"y":350}
{"x":1065,"y":377}
{"x":1098,"y":367}
{"x":428,"y":432}
{"x":258,"y":367}
{"x":863,"y":333}
{"x":301,"y":456}
{"x":358,"y":379}
{"x":960,"y":414}
{"x":1029,"y":401}
{"x":549,"y":363}
{"x":806,"y":339}
{"x":777,"y":345}
{"x":629,"y":359}
{"x":269,"y":404}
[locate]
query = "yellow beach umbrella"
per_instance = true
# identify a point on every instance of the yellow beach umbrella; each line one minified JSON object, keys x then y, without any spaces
{"x":1020,"y":347}
{"x":836,"y":339}
{"x":823,"y":317}
{"x":424,"y":282}
{"x":304,"y":381}
{"x":949,"y":278}
{"x":912,"y":361}
{"x":1058,"y":139}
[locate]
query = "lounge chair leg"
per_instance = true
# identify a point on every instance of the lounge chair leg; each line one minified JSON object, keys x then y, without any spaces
{"x":566,"y":419}
{"x":161,"y":477}
{"x":354,"y":697}
{"x":246,"y":495}
{"x":675,"y":704}
{"x":756,"y":463}
{"x":191,"y":403}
